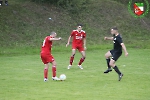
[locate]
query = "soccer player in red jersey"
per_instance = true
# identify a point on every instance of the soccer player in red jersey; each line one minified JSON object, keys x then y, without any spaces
{"x":78,"y":42}
{"x":47,"y":57}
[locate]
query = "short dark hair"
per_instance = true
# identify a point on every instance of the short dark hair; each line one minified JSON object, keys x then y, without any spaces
{"x":79,"y":25}
{"x":114,"y":28}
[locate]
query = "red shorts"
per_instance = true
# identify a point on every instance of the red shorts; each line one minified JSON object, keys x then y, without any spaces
{"x":47,"y":58}
{"x":80,"y":48}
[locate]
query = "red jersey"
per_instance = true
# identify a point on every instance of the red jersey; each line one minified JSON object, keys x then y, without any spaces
{"x":47,"y":45}
{"x":78,"y":37}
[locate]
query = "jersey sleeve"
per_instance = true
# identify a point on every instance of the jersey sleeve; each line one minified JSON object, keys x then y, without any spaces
{"x":48,"y":38}
{"x":72,"y":33}
{"x":119,"y":39}
{"x":84,"y":35}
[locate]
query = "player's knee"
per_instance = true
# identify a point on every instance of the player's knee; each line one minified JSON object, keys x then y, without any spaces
{"x":54,"y":63}
{"x":46,"y":67}
{"x":111,"y":64}
{"x":84,"y":57}
{"x":106,"y":56}
{"x":73,"y":55}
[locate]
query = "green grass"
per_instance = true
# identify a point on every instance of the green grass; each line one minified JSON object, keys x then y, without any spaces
{"x":23,"y":26}
{"x":21,"y":78}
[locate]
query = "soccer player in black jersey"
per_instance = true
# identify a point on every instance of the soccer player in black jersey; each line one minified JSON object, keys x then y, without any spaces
{"x":116,"y":52}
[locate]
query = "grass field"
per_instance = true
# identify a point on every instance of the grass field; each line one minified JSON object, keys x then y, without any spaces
{"x":23,"y":26}
{"x":21,"y":78}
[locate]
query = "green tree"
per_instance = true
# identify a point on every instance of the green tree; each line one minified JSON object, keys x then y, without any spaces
{"x":73,"y":6}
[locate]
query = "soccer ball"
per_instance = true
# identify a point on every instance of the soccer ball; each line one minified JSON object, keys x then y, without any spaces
{"x":62,"y":77}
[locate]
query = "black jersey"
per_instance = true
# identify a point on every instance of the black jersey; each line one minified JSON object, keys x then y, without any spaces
{"x":117,"y":43}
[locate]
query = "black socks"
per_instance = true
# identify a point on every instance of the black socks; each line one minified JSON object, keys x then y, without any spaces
{"x":108,"y":60}
{"x":117,"y":70}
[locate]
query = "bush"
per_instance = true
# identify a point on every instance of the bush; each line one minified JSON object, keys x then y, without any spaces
{"x":73,"y":6}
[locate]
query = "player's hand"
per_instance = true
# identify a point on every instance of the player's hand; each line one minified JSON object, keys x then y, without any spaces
{"x":67,"y":44}
{"x":126,"y":54}
{"x":60,"y":38}
{"x":85,"y":48}
{"x":105,"y":38}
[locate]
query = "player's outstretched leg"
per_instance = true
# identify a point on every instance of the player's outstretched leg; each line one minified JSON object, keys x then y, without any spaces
{"x":46,"y":72}
{"x":72,"y":58}
{"x":112,"y":64}
{"x":54,"y":71}
{"x":107,"y":56}
{"x":81,"y":60}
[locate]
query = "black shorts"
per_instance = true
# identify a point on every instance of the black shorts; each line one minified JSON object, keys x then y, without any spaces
{"x":115,"y":54}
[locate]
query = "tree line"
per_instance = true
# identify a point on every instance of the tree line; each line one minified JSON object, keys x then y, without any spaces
{"x":74,"y":6}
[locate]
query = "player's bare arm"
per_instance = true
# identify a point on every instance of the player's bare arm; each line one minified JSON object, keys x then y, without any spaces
{"x":124,"y":48}
{"x":84,"y":43}
{"x":55,"y":39}
{"x":68,"y":41}
{"x":108,"y":38}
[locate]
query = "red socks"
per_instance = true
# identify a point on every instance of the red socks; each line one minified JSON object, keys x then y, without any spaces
{"x":45,"y":73}
{"x":81,"y":61}
{"x":71,"y":60}
{"x":54,"y":71}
